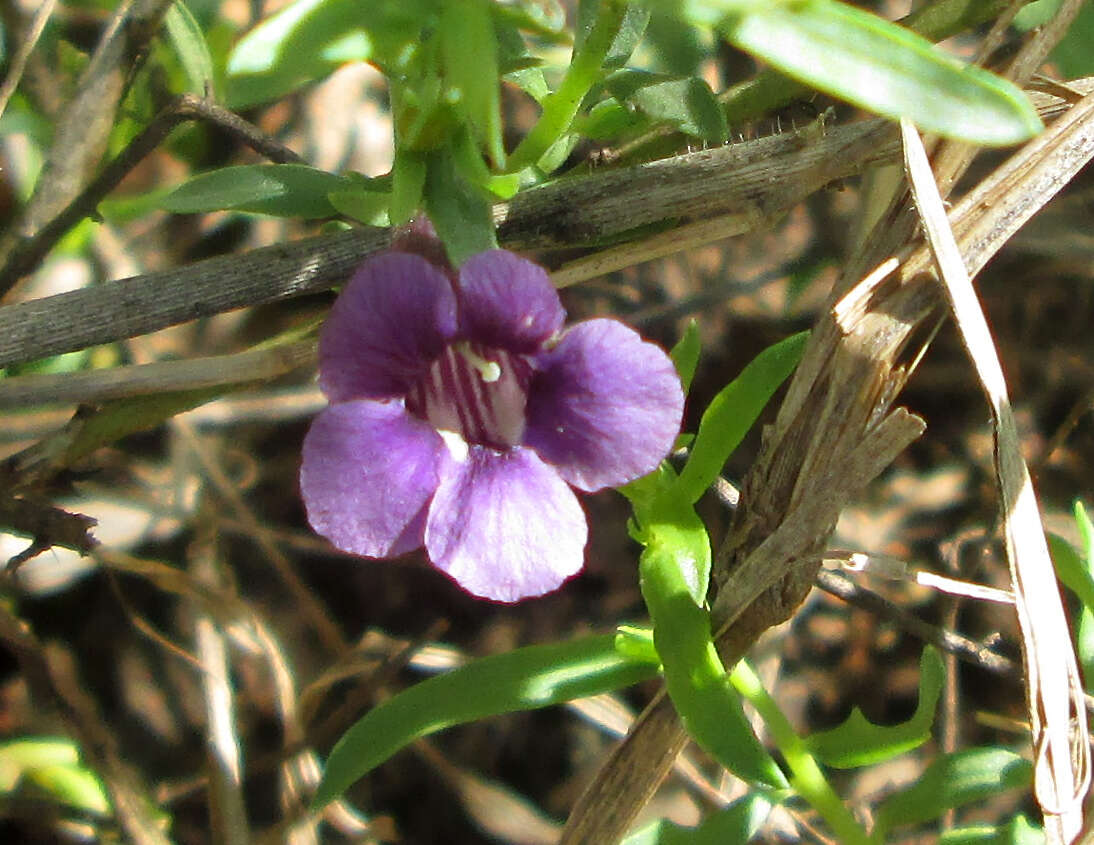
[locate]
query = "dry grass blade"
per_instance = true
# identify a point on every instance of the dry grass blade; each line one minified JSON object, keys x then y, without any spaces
{"x":1054,"y":693}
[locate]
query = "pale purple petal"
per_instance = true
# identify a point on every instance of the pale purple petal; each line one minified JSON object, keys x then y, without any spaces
{"x":368,"y":473}
{"x":504,"y":525}
{"x":605,"y":407}
{"x":394,"y":317}
{"x":507,"y":301}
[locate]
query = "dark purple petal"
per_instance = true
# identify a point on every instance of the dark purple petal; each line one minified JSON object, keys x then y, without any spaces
{"x":393,"y":318}
{"x":504,"y":525}
{"x":605,"y":407}
{"x":368,"y":473}
{"x":507,"y":301}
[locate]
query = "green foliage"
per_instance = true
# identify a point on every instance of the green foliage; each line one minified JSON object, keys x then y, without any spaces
{"x":685,"y":103}
{"x":953,"y":780}
{"x":674,"y":567}
{"x":188,"y":41}
{"x":833,"y":47}
{"x":524,"y":679}
{"x":1075,"y":568}
{"x":50,"y":768}
{"x":859,"y":742}
{"x":737,"y":823}
{"x":1018,"y":831}
{"x":685,"y":354}
{"x":733,"y":411}
{"x":284,"y":190}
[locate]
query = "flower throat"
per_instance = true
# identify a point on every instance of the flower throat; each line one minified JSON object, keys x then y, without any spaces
{"x":477,"y":391}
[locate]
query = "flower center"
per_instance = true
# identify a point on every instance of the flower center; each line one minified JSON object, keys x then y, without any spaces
{"x":477,"y":391}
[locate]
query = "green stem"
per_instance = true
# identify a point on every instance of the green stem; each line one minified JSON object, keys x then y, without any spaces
{"x":806,"y":776}
{"x":560,"y":108}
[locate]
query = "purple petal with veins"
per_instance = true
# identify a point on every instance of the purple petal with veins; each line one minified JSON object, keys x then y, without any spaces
{"x":395,"y":316}
{"x":505,"y":526}
{"x":368,"y":472}
{"x":605,"y":406}
{"x":508,"y":302}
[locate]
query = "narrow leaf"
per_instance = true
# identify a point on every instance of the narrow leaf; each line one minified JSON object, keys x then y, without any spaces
{"x":954,"y":780}
{"x":737,"y":823}
{"x":524,"y":679}
{"x":685,"y":354}
{"x":859,"y":742}
{"x":188,"y":41}
{"x":697,"y":683}
{"x":460,"y":212}
{"x":284,"y":190}
{"x":880,"y":66}
{"x":733,"y":411}
{"x":470,"y":52}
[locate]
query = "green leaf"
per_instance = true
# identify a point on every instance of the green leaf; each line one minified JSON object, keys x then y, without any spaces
{"x":53,"y":766}
{"x":709,"y":707}
{"x":364,"y":206}
{"x":685,"y":354}
{"x":1075,"y":568}
{"x":460,"y":212}
{"x":1018,"y":831}
{"x":1072,"y":569}
{"x":18,"y":755}
{"x":407,"y":184}
{"x":833,"y":47}
{"x":524,"y":679}
{"x":1073,"y":55}
{"x":73,"y":785}
{"x":686,"y":104}
{"x":664,"y":521}
{"x":470,"y":53}
{"x":954,"y":780}
{"x":737,"y":823}
{"x":188,"y":41}
{"x":629,"y":33}
{"x":859,"y":742}
{"x":733,"y":411}
{"x":283,"y":190}
{"x":308,"y":39}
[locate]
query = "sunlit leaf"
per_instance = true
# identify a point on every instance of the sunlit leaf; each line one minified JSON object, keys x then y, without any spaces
{"x":284,"y":190}
{"x":859,"y":742}
{"x":685,"y":354}
{"x":733,"y":411}
{"x":524,"y":679}
{"x":954,"y":780}
{"x":188,"y":41}
{"x":308,"y":39}
{"x":470,"y":52}
{"x":1018,"y":831}
{"x":873,"y":63}
{"x":734,"y":825}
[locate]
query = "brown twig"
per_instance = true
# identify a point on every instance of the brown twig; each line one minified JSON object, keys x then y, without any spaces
{"x":83,"y":131}
{"x":26,"y":254}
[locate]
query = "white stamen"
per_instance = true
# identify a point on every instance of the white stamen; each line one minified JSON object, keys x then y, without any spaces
{"x":489,"y":371}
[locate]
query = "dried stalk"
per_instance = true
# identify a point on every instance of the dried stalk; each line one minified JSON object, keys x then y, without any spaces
{"x":838,"y":400}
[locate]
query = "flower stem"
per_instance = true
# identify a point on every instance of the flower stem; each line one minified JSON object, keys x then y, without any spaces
{"x":560,"y":108}
{"x":806,"y":776}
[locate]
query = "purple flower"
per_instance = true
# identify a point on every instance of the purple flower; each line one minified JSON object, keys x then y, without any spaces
{"x":461,"y":414}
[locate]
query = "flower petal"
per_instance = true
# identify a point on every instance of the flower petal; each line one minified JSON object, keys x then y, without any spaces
{"x":368,"y":473}
{"x":508,"y":301}
{"x":605,"y":407}
{"x":504,"y":525}
{"x":393,"y":318}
